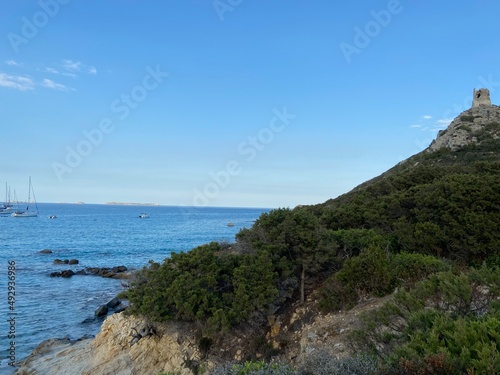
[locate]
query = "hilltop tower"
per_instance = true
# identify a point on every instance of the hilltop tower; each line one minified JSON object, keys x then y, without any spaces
{"x":481,"y":98}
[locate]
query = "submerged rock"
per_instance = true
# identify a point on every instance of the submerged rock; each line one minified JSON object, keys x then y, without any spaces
{"x":45,"y":251}
{"x":65,"y":273}
{"x":66,"y":261}
{"x":113,"y":303}
{"x":61,"y":261}
{"x":101,"y":311}
{"x":119,"y":272}
{"x":106,"y":272}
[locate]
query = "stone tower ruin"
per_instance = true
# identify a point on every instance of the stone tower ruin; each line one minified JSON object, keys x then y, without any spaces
{"x":481,"y":98}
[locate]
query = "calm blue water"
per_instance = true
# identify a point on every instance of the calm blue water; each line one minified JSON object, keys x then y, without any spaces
{"x":98,"y":236}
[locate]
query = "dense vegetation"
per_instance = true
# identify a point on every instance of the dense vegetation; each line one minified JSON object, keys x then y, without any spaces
{"x":428,"y":227}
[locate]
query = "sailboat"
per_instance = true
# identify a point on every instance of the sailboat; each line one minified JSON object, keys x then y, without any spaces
{"x":6,"y":208}
{"x":27,"y":212}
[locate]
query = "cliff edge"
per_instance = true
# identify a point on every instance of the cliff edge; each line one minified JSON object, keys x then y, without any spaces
{"x":111,"y":352}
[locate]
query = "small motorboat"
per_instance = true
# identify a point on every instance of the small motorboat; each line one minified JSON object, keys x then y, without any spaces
{"x":52,"y":217}
{"x":143,"y":216}
{"x":230,"y":224}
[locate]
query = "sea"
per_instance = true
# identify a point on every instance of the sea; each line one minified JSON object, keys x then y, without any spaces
{"x":46,"y":307}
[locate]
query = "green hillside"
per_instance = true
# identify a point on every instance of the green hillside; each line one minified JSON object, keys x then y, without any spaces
{"x":426,"y":231}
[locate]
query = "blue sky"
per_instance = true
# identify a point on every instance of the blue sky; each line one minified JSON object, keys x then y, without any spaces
{"x":262,"y":103}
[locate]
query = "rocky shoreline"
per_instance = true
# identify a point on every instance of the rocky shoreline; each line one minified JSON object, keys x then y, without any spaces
{"x":129,"y":345}
{"x":119,"y":272}
{"x":113,"y":351}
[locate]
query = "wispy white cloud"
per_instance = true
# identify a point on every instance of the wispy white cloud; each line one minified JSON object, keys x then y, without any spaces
{"x":72,"y":66}
{"x":47,"y":83}
{"x":17,"y":82}
{"x":52,"y":70}
{"x":427,"y":117}
{"x":25,"y":82}
{"x":415,"y":126}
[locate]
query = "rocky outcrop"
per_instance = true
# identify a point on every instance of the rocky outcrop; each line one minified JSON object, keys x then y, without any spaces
{"x":172,"y":348}
{"x":464,"y":129}
{"x":113,"y":303}
{"x":65,"y":273}
{"x":101,"y":311}
{"x":114,"y":272}
{"x":119,"y":272}
{"x":129,"y":345}
{"x":45,"y":251}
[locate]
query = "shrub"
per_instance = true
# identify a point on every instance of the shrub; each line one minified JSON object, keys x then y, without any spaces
{"x":367,"y":274}
{"x":408,"y":269}
{"x":206,"y":285}
{"x":253,"y":368}
{"x":323,"y":363}
{"x":334,"y":296}
{"x":465,"y":118}
{"x":448,"y":324}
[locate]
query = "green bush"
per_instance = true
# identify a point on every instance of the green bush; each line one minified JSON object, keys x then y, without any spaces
{"x":323,"y":363}
{"x":465,"y":118}
{"x":207,"y":285}
{"x":367,"y":274}
{"x":334,"y":296}
{"x":449,"y":322}
{"x":408,"y":269}
{"x":253,"y":368}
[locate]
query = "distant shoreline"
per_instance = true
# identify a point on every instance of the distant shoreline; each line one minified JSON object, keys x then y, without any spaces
{"x":131,"y":204}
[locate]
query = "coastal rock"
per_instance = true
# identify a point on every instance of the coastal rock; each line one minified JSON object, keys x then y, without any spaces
{"x":66,"y":261}
{"x":113,"y":303}
{"x":65,"y":273}
{"x":101,"y":311}
{"x":119,"y":272}
{"x":120,"y":309}
{"x":110,"y":352}
{"x":61,"y":261}
{"x":114,"y":272}
{"x":45,"y":251}
{"x":129,"y":345}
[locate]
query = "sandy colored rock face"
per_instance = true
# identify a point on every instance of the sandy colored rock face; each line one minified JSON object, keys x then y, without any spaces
{"x":110,"y":352}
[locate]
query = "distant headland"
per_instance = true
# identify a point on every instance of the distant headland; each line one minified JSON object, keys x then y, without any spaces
{"x":132,"y":204}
